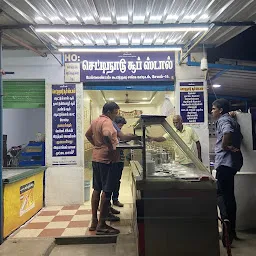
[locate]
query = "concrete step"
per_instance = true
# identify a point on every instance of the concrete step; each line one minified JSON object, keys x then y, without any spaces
{"x":85,"y":250}
{"x":25,"y":247}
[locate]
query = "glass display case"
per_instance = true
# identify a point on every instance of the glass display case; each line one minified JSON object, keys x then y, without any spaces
{"x":155,"y":161}
{"x":168,"y":193}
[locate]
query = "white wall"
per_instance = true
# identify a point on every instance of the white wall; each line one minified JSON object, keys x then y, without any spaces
{"x":27,"y":65}
{"x":184,"y":72}
{"x":22,"y":125}
{"x":64,"y":185}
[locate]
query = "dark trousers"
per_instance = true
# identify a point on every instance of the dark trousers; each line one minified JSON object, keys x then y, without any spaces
{"x":119,"y":170}
{"x":225,"y":194}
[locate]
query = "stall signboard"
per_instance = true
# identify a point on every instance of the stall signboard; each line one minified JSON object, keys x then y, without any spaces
{"x":192,"y":102}
{"x":109,"y":67}
{"x":64,"y":138}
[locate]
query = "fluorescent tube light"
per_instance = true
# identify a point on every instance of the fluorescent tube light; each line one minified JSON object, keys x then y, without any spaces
{"x":216,"y":85}
{"x":144,"y":98}
{"x":119,"y":30}
{"x":111,"y":99}
{"x":146,"y":49}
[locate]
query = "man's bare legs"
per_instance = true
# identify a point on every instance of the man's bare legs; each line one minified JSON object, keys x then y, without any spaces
{"x":104,"y":209}
{"x":102,"y":227}
{"x":95,"y":205}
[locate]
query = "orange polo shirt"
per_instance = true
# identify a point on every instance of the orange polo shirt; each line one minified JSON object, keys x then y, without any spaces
{"x":100,"y":127}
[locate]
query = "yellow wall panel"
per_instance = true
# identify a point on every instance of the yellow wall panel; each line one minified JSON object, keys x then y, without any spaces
{"x":22,"y":200}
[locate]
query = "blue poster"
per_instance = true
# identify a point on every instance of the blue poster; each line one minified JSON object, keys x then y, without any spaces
{"x":64,"y":120}
{"x":109,"y":67}
{"x":192,"y":102}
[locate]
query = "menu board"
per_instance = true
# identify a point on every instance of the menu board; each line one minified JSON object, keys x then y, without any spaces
{"x":64,"y":137}
{"x":192,"y":102}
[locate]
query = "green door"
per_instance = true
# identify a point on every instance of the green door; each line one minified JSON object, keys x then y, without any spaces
{"x":24,"y":94}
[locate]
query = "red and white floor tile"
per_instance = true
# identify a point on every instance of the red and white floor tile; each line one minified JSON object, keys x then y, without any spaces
{"x":57,"y":221}
{"x":74,"y":220}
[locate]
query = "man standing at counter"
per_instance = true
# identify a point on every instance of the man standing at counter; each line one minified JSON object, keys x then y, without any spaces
{"x":119,"y":122}
{"x":228,"y":161}
{"x":103,"y":136}
{"x":188,"y":135}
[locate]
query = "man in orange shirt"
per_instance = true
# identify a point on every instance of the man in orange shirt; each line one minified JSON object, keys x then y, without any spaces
{"x":103,"y":136}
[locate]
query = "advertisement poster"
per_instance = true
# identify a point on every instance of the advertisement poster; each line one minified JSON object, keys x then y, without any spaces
{"x":192,"y":102}
{"x":27,"y":201}
{"x":64,"y":141}
{"x":135,"y":66}
{"x":130,"y":114}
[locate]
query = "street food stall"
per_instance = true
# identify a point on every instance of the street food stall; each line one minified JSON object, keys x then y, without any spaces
{"x":175,"y":204}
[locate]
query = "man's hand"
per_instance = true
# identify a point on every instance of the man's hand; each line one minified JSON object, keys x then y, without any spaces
{"x":2,"y":72}
{"x":232,"y":114}
{"x":233,"y":149}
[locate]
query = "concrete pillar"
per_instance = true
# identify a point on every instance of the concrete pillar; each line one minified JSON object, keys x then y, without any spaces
{"x":64,"y":181}
{"x":186,"y":73}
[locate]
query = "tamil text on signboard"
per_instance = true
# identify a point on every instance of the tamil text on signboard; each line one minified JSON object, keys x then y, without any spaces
{"x":64,"y":122}
{"x":136,"y":66}
{"x":192,"y":102}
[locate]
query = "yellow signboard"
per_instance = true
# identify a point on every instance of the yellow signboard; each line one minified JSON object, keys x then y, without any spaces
{"x":27,"y":201}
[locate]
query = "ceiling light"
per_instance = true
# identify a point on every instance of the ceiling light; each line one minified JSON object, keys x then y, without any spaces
{"x":216,"y":86}
{"x":111,"y":99}
{"x":146,"y":49}
{"x":144,"y":98}
{"x":70,"y":29}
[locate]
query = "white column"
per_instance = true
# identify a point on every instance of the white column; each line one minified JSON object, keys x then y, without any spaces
{"x":192,"y":74}
{"x":64,"y":184}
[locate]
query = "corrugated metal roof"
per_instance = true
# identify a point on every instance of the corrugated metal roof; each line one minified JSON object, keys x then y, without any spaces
{"x":98,"y":12}
{"x":235,"y":83}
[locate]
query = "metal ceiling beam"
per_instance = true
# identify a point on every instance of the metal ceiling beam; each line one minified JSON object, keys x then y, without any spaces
{"x":49,"y":49}
{"x":18,"y":26}
{"x":201,"y":37}
{"x":136,"y":46}
{"x":219,"y":74}
{"x":126,"y":26}
{"x":19,"y":42}
{"x":234,"y":24}
{"x":222,"y":66}
{"x":131,"y":26}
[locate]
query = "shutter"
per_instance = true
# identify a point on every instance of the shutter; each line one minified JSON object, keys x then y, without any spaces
{"x":24,"y":94}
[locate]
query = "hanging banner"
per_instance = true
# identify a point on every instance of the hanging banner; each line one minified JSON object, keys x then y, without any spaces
{"x":64,"y":142}
{"x":136,"y":66}
{"x":192,"y":102}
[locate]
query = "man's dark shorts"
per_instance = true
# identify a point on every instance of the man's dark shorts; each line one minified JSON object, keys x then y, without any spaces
{"x":104,"y":177}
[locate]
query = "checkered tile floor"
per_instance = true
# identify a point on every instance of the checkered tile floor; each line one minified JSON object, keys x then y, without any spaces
{"x":59,"y":221}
